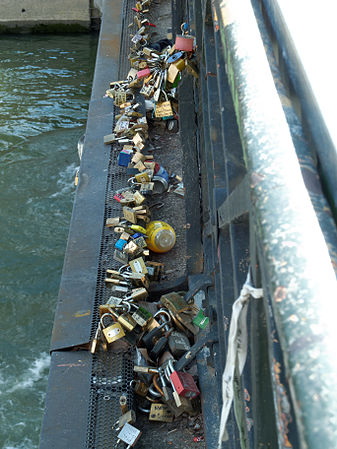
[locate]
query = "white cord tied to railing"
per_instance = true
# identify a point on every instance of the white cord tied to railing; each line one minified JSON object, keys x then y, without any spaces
{"x":237,"y":350}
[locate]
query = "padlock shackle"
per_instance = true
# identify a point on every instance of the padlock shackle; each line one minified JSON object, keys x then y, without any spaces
{"x":104,"y":316}
{"x":163,"y":312}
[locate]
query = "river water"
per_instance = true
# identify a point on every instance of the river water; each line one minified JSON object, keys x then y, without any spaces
{"x":45,"y":85}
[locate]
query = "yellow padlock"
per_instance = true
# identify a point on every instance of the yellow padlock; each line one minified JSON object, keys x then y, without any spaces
{"x":161,"y":236}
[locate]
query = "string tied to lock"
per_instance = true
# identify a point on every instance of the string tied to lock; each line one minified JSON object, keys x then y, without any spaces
{"x":237,"y":350}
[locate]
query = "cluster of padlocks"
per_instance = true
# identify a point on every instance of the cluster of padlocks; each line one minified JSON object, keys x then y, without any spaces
{"x":162,"y":333}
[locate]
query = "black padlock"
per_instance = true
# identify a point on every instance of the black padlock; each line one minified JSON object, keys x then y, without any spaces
{"x":178,"y":344}
{"x":150,"y":337}
{"x":158,"y":348}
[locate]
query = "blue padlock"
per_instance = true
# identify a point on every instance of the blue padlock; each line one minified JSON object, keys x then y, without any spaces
{"x":120,"y":244}
{"x":175,"y":57}
{"x":124,"y":158}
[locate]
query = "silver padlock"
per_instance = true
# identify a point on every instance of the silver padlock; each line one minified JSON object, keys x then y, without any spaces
{"x":129,"y":435}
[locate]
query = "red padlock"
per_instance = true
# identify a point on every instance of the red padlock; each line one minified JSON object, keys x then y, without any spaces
{"x":184,"y":384}
{"x":184,"y":43}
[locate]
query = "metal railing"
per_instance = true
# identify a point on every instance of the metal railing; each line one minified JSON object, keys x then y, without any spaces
{"x":262,"y":206}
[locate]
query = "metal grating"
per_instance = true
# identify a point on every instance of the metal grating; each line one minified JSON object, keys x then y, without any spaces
{"x":111,"y":376}
{"x":112,"y":371}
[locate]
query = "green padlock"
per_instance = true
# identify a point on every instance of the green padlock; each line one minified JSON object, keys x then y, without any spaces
{"x":201,"y":320}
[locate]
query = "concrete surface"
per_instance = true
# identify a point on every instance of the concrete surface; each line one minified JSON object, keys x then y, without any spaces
{"x":33,"y":13}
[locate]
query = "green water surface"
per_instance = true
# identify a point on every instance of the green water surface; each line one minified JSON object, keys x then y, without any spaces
{"x":45,"y":85}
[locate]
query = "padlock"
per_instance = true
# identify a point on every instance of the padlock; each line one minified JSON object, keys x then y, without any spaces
{"x":155,"y":270}
{"x":138,"y":156}
{"x":201,"y":320}
{"x":126,"y":320}
{"x":112,"y":221}
{"x":128,"y":435}
{"x":158,"y":348}
{"x":132,"y":249}
{"x":128,"y":417}
{"x":140,"y":388}
{"x":186,"y":405}
{"x":121,"y":257}
{"x":160,"y":412}
{"x":141,"y":315}
{"x":124,"y":158}
{"x":138,"y":279}
{"x":178,"y":344}
{"x":154,"y":334}
{"x":140,"y":166}
{"x":95,"y":341}
{"x":138,"y":266}
{"x":160,"y":383}
{"x":146,"y":188}
{"x":163,"y":109}
{"x":183,"y":383}
{"x":113,"y":332}
{"x":137,"y":294}
{"x":140,"y":242}
{"x":143,"y":176}
{"x":123,"y":403}
{"x":183,"y":312}
{"x":169,"y":369}
{"x":119,"y":290}
{"x":119,"y":245}
{"x":130,"y":214}
{"x":184,"y":43}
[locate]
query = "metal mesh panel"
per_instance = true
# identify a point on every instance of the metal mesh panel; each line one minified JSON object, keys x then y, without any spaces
{"x":111,"y":376}
{"x":111,"y":371}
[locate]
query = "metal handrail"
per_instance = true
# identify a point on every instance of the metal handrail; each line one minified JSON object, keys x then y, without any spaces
{"x":295,"y":264}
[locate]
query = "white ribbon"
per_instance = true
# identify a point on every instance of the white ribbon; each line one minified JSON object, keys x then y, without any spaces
{"x":237,"y":350}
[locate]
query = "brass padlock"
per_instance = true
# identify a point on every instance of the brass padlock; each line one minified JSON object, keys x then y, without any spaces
{"x":139,"y":198}
{"x":160,"y":412}
{"x":113,"y":332}
{"x":132,"y":249}
{"x":138,"y":266}
{"x":172,"y":73}
{"x":137,"y":294}
{"x":143,"y":176}
{"x":130,"y":214}
{"x":126,"y":321}
{"x":163,"y":109}
{"x":138,"y":156}
{"x":140,"y":388}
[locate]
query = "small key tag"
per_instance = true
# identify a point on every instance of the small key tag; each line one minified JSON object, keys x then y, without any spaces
{"x":163,"y":109}
{"x":160,"y":412}
{"x":201,"y":320}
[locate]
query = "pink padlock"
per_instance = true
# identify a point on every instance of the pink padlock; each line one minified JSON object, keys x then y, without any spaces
{"x":143,"y":73}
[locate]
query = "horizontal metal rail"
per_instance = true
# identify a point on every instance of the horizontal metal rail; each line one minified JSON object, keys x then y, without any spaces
{"x":296,"y":268}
